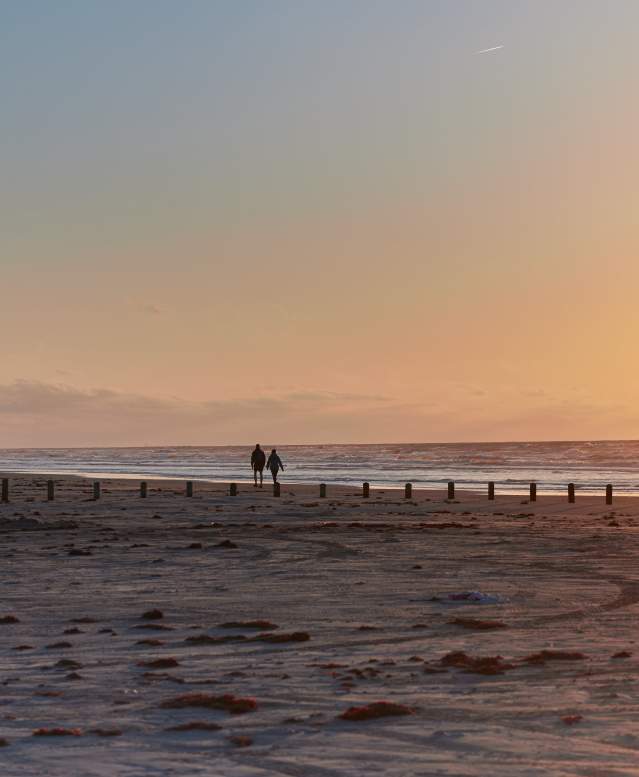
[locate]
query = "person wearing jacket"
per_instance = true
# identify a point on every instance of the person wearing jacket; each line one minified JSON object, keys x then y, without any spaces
{"x":274,"y":463}
{"x":258,"y":460}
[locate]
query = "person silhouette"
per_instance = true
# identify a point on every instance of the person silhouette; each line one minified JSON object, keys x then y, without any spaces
{"x":274,"y":463}
{"x":258,"y":460}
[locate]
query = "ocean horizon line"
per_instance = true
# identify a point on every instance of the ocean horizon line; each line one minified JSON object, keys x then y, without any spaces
{"x":147,"y":446}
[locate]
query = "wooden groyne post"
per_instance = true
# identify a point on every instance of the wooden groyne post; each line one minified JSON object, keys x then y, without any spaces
{"x":143,"y":489}
{"x":96,"y":490}
{"x":571,"y":492}
{"x":408,"y":491}
{"x":233,"y":489}
{"x":451,"y":489}
{"x":276,"y":489}
{"x":322,"y":491}
{"x":491,"y":490}
{"x":533,"y":492}
{"x":366,"y":490}
{"x":189,"y":488}
{"x":5,"y":489}
{"x":50,"y":491}
{"x":609,"y":494}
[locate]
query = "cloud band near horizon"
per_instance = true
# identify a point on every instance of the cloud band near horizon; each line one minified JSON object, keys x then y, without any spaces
{"x":40,"y":414}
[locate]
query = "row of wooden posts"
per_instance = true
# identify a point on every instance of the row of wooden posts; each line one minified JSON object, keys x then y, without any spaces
{"x":408,"y":490}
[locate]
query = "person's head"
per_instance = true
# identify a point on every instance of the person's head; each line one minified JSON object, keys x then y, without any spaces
{"x":273,"y":451}
{"x":257,"y":446}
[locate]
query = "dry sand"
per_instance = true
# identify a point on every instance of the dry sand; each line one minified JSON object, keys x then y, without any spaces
{"x":368,"y":581}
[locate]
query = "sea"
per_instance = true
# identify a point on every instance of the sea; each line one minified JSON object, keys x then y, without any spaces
{"x":590,"y":465}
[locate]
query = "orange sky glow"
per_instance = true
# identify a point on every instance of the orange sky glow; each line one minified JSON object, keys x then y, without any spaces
{"x":319,"y":224}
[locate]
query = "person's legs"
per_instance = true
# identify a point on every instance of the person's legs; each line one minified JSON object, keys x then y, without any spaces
{"x":255,"y":477}
{"x":261,"y":478}
{"x":274,"y":473}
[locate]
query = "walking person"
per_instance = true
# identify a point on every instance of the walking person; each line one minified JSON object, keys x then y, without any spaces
{"x":258,"y":461}
{"x":274,"y":463}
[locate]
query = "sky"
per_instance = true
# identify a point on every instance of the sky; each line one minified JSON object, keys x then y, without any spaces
{"x":293,"y":221}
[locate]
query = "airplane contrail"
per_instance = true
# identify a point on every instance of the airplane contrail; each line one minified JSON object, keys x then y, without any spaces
{"x":493,"y":48}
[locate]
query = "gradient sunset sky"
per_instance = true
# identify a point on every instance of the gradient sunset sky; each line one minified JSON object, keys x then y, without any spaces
{"x":225,"y":221}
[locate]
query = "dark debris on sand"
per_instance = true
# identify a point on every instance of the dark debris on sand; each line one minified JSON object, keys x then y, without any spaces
{"x":554,"y":655}
{"x":152,"y":615}
{"x":378,"y":709}
{"x":160,"y":663}
{"x":234,"y":705}
{"x":477,"y":624}
{"x":57,"y":732}
{"x":295,"y":636}
{"x":240,"y":740}
{"x":487,"y":665}
{"x":257,"y":624}
{"x":196,"y":725}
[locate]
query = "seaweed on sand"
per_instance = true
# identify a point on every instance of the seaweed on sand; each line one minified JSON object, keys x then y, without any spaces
{"x":554,"y":655}
{"x":488,"y":665}
{"x":152,"y":615}
{"x":235,"y":705}
{"x":378,"y":709}
{"x":295,"y":636}
{"x":160,"y":663}
{"x":477,"y":624}
{"x":196,"y":725}
{"x":257,"y":624}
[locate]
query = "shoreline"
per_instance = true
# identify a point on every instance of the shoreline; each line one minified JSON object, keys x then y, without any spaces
{"x":512,"y":467}
{"x":470,"y":498}
{"x":475,"y":493}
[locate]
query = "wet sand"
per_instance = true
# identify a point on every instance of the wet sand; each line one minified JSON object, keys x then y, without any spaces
{"x":537,"y":678}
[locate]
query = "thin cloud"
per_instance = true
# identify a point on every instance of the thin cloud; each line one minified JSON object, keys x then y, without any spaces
{"x":38,"y":413}
{"x":150,"y":310}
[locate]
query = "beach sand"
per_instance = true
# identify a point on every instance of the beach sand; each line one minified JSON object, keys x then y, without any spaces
{"x":360,"y":591}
